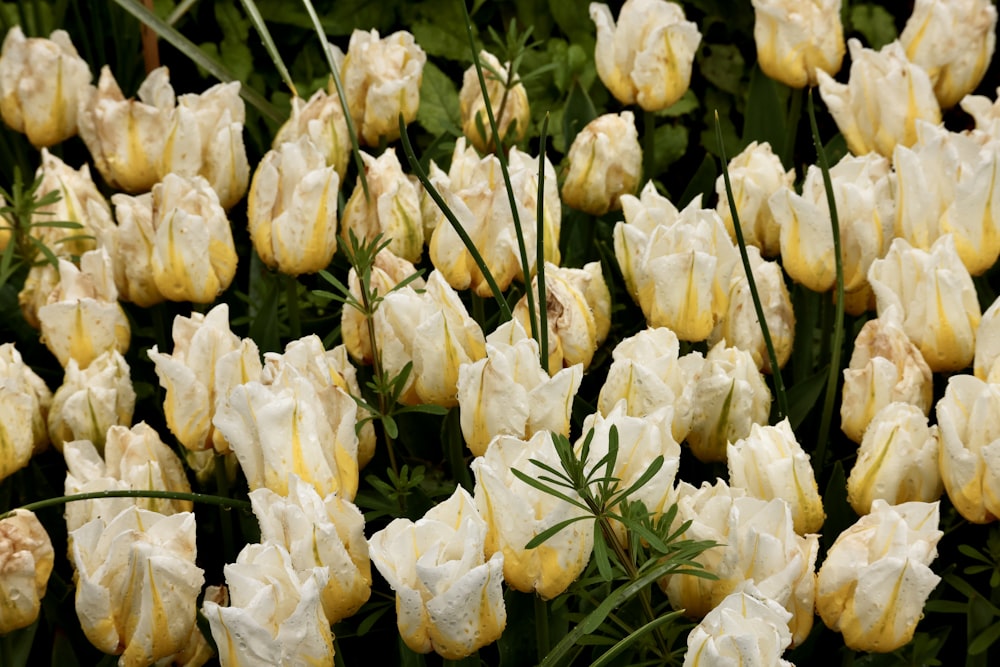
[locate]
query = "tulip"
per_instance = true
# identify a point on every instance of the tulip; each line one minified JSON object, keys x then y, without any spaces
{"x":578,"y":310}
{"x":92,"y":400}
{"x":41,"y":281}
{"x":386,"y":273}
{"x":131,"y":244}
{"x":381,"y":81}
{"x":41,"y":83}
{"x":82,"y":318}
{"x":878,"y":107}
{"x":322,"y":120}
{"x":643,"y":215}
{"x":648,"y":373}
{"x":876,"y":576}
{"x":24,"y":403}
{"x":332,"y":376}
{"x":475,"y":192}
{"x":728,"y":398}
{"x":319,"y":532}
{"x":79,"y":202}
{"x":515,"y":513}
{"x":897,"y":461}
{"x":137,"y":583}
{"x":967,"y":417}
{"x":193,"y":256}
{"x":647,"y":57}
{"x":275,"y":616}
{"x":755,"y":174}
{"x":746,"y":628}
{"x":985,"y":112}
{"x":391,"y":207}
{"x":605,"y":162}
{"x":770,"y":463}
{"x":885,"y":368}
{"x":292,"y":208}
{"x":935,"y":292}
{"x":794,"y":40}
{"x":756,"y":542}
{"x":433,"y":330}
{"x":954,"y":42}
{"x":508,"y":392}
{"x":739,"y":326}
{"x":448,"y":595}
{"x":985,"y":361}
{"x":284,"y":428}
{"x":26,"y":560}
{"x":862,"y":189}
{"x":508,"y":100}
{"x":132,"y":459}
{"x":207,"y":362}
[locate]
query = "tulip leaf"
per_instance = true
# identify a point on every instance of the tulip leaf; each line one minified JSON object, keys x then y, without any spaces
{"x":765,"y":114}
{"x":803,"y":396}
{"x":438,"y":111}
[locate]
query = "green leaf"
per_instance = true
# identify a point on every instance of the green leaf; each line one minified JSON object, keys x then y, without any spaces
{"x":534,"y":483}
{"x":540,"y":538}
{"x":803,"y":397}
{"x":986,"y":639}
{"x":671,"y":144}
{"x":765,"y":113}
{"x":441,"y":39}
{"x":579,"y":111}
{"x":438,"y":112}
{"x":601,"y":556}
{"x":633,"y":637}
{"x":573,"y":18}
{"x":722,"y":65}
{"x":875,"y":24}
{"x":265,"y":35}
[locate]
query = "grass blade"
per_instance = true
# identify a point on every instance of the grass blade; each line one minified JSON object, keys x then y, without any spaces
{"x":265,"y":36}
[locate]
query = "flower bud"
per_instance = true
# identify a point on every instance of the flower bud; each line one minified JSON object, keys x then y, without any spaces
{"x":24,"y":404}
{"x":746,"y":628}
{"x":794,"y":40}
{"x":79,"y":202}
{"x":131,"y":244}
{"x":322,"y":120}
{"x":41,"y":83}
{"x":381,"y":81}
{"x":92,"y":400}
{"x":509,"y":105}
{"x":41,"y":281}
{"x":876,"y":108}
{"x":755,"y":174}
{"x":26,"y":560}
{"x":647,"y":57}
{"x":605,"y":162}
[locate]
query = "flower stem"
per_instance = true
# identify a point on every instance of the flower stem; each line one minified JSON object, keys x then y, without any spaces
{"x":541,"y":627}
{"x":648,"y":145}
{"x":203,"y":498}
{"x":225,"y":520}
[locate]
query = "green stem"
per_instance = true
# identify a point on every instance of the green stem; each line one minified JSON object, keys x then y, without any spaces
{"x":779,"y":386}
{"x":478,"y":310}
{"x":225,"y":519}
{"x":649,"y":145}
{"x":541,"y":627}
{"x":838,"y":325}
{"x":792,"y":126}
{"x":292,"y":302}
{"x":543,"y":314}
{"x":203,"y":498}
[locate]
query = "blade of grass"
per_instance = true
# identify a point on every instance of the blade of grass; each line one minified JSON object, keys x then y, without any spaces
{"x":265,"y":36}
{"x":199,"y":57}
{"x":625,"y":643}
{"x":543,"y":315}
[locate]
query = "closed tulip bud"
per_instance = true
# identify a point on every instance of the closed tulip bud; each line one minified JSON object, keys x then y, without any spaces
{"x":747,"y":628}
{"x":285,"y":428}
{"x":292,"y":209}
{"x":127,"y":138}
{"x":474,"y":190}
{"x":391,"y":207}
{"x":137,"y":584}
{"x":647,"y":372}
{"x":967,"y":417}
{"x":132,"y":459}
{"x":647,"y":57}
{"x":862,"y":188}
{"x":322,"y":120}
{"x":208,"y":361}
{"x":25,"y":401}
{"x":770,"y":463}
{"x":508,"y":392}
{"x":954,"y":42}
{"x":82,"y":318}
{"x":433,"y":330}
{"x":41,"y":83}
{"x":275,"y":613}
{"x":739,"y":326}
{"x":878,"y":106}
{"x":508,"y":100}
{"x":448,"y":595}
{"x":987,"y":358}
{"x":885,"y":368}
{"x":795,"y":40}
{"x":387,"y":271}
{"x":897,"y":461}
{"x":605,"y":162}
{"x":193,"y":256}
{"x":515,"y":513}
{"x":42,"y":280}
{"x":26,"y":560}
{"x":755,"y":174}
{"x":77,"y":198}
{"x":876,"y":576}
{"x":729,"y":397}
{"x":319,"y":532}
{"x":578,"y":311}
{"x":131,"y":244}
{"x":92,"y":400}
{"x":935,"y":292}
{"x":381,"y":81}
{"x":643,"y":214}
{"x":757,"y":542}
